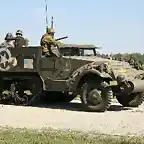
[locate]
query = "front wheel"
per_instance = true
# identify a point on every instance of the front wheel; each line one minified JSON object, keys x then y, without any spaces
{"x":96,"y":96}
{"x":132,"y":100}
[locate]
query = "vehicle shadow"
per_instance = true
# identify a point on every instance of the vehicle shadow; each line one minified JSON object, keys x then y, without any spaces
{"x":118,"y":108}
{"x":78,"y":107}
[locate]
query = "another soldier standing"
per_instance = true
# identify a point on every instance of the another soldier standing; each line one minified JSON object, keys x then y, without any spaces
{"x":131,"y":61}
{"x":9,"y":42}
{"x":142,"y":66}
{"x":137,"y":65}
{"x":20,"y":41}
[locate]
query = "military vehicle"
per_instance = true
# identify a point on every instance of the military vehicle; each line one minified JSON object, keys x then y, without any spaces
{"x":62,"y":78}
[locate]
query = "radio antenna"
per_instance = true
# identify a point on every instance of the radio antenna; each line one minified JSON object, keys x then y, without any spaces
{"x":46,"y":12}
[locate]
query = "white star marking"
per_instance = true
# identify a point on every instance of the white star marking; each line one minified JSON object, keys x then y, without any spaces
{"x":3,"y":60}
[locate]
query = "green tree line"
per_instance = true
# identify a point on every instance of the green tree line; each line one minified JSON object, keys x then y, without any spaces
{"x":134,"y":59}
{"x":126,"y":57}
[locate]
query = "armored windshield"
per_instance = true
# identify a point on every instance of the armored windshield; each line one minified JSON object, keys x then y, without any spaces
{"x":78,"y":50}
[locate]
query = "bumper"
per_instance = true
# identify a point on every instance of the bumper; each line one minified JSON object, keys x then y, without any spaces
{"x":137,"y":85}
{"x":134,"y":86}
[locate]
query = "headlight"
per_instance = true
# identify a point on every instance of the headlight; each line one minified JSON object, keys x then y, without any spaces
{"x":121,"y":78}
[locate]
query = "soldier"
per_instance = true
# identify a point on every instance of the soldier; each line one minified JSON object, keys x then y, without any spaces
{"x":53,"y":32}
{"x":20,"y":41}
{"x":8,"y":41}
{"x":137,"y":65}
{"x":142,"y":66}
{"x":47,"y":41}
{"x":131,"y":61}
{"x":121,"y":58}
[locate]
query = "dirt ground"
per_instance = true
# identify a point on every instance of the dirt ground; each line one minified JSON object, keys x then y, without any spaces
{"x":117,"y":120}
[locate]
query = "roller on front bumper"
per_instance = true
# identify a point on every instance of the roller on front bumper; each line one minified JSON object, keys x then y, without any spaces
{"x":130,"y":86}
{"x":137,"y":85}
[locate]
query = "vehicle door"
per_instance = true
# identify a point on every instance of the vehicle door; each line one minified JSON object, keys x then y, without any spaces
{"x":55,"y":68}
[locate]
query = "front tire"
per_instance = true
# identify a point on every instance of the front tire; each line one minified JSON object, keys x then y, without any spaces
{"x":132,"y":100}
{"x":96,"y":96}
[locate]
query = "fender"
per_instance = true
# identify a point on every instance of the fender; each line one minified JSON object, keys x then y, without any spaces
{"x":73,"y":82}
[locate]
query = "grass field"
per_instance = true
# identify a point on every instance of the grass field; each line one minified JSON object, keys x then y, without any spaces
{"x":25,"y":136}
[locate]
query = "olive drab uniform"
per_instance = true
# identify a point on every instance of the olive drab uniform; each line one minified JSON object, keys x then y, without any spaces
{"x":20,"y":41}
{"x":47,"y":41}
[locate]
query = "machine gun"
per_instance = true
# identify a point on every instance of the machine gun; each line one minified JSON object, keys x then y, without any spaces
{"x":61,"y":38}
{"x":58,"y":46}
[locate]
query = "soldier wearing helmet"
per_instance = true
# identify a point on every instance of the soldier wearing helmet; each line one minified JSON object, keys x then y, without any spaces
{"x":19,"y":33}
{"x":20,"y":41}
{"x":9,"y":42}
{"x":48,"y":40}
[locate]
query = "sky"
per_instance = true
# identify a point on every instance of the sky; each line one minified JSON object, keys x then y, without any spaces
{"x":114,"y":25}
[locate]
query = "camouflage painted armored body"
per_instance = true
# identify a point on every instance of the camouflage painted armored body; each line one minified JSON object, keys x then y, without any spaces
{"x":89,"y":52}
{"x":62,"y":78}
{"x":116,"y":68}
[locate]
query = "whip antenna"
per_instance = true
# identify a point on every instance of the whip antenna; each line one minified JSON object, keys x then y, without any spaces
{"x":46,"y":15}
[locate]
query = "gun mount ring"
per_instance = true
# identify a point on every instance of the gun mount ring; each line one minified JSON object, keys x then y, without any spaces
{"x":5,"y":56}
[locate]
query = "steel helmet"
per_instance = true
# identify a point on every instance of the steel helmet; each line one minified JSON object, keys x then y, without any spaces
{"x":19,"y":32}
{"x":8,"y":36}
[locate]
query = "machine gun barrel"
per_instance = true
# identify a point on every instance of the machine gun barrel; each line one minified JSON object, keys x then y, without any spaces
{"x":61,"y":38}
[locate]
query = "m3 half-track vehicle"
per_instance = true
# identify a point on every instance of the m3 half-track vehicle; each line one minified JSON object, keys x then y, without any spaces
{"x":61,"y":78}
